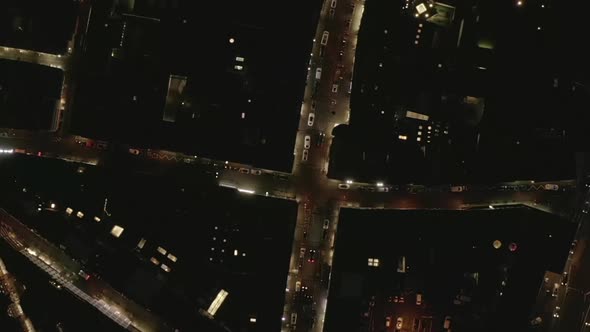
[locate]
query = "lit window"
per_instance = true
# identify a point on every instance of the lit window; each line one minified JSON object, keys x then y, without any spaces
{"x":403,"y":137}
{"x":231,"y":40}
{"x":416,"y":42}
{"x":243,"y":115}
{"x":155,"y":261}
{"x":97,"y":219}
{"x":417,"y":36}
{"x":418,"y":139}
{"x":374,"y":262}
{"x":429,"y":127}
{"x":421,"y":8}
{"x":165,"y":267}
{"x":235,"y":252}
{"x":161,"y":250}
{"x":240,"y":59}
{"x":80,"y":214}
{"x":419,"y":133}
{"x":419,"y":127}
{"x":172,"y":257}
{"x":420,"y":25}
{"x":69,"y":210}
{"x":238,"y":67}
{"x":141,"y":243}
{"x":252,"y":320}
{"x":117,"y":230}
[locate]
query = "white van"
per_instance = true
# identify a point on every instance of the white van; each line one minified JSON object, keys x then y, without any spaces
{"x":318,"y":73}
{"x":325,"y":36}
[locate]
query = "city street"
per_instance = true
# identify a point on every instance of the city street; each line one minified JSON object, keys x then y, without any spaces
{"x":94,"y":291}
{"x":326,"y":104}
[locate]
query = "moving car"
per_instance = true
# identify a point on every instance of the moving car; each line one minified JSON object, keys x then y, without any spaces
{"x":310,"y":119}
{"x":564,"y":279}
{"x":307,"y":142}
{"x":312,"y":255}
{"x":84,"y":275}
{"x":320,"y":140}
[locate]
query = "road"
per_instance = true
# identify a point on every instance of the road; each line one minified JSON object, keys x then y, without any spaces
{"x":64,"y":270}
{"x":573,"y":300}
{"x":59,"y":61}
{"x":327,"y":101}
{"x":9,"y":285}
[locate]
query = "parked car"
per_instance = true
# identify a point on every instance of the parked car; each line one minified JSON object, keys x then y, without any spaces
{"x":550,"y":186}
{"x":399,"y":324}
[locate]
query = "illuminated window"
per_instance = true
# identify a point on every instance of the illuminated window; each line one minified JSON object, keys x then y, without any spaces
{"x":374,"y":262}
{"x":155,"y":261}
{"x":161,"y":250}
{"x":235,"y":252}
{"x":116,"y":231}
{"x":238,"y":67}
{"x":421,"y":8}
{"x":418,"y":139}
{"x":240,"y":59}
{"x":80,"y":214}
{"x":172,"y":257}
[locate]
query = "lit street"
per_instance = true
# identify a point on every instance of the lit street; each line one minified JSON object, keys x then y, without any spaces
{"x":325,"y":105}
